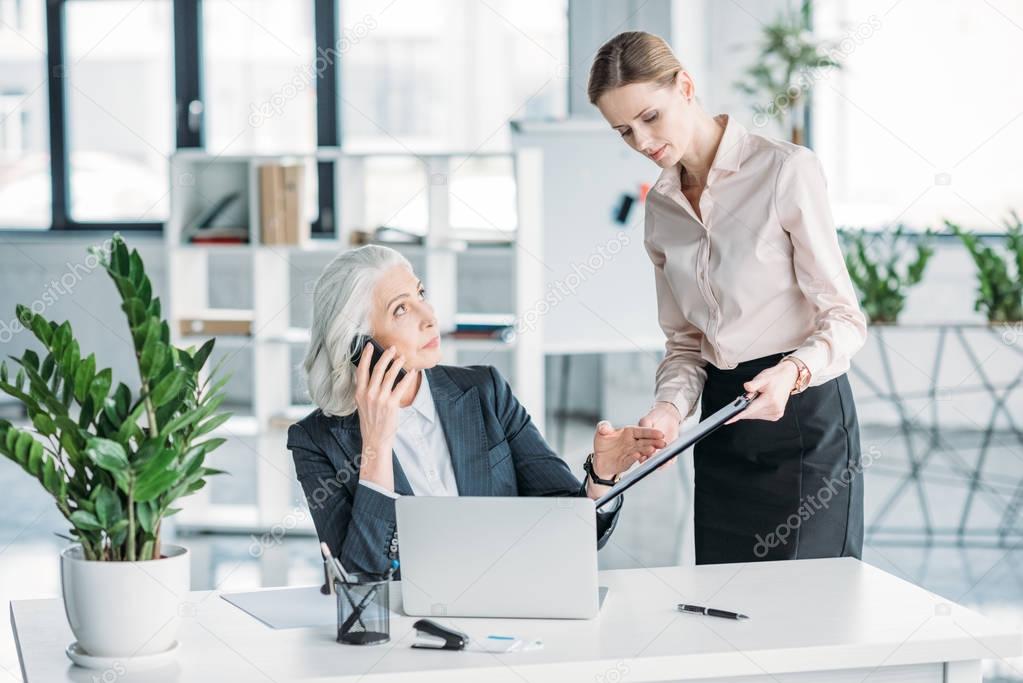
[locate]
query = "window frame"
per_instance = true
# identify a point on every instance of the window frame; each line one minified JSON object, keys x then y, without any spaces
{"x":189,"y":130}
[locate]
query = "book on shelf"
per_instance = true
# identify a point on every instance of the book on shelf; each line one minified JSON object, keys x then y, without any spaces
{"x":499,"y":326}
{"x":281,"y":208}
{"x":215,"y":225}
{"x":214,"y":321}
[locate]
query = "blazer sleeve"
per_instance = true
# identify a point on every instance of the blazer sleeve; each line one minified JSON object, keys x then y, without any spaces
{"x":360,"y":528}
{"x":538,"y":469}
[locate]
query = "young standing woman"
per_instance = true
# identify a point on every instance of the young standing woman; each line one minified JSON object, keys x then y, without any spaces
{"x":753,"y":296}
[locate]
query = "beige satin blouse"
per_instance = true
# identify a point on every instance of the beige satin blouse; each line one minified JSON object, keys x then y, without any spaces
{"x":762,"y":273}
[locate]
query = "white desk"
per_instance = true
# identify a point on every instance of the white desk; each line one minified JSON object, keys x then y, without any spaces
{"x":813,"y":620}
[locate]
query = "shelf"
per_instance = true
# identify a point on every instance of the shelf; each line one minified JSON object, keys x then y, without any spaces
{"x":233,"y":519}
{"x":238,"y":426}
{"x":293,"y":335}
{"x":232,"y":341}
{"x":202,"y":178}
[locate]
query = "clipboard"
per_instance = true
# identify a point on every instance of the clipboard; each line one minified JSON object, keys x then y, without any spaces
{"x":684,"y":441}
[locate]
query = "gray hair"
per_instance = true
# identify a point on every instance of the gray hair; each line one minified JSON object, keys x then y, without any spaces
{"x":341,"y":305}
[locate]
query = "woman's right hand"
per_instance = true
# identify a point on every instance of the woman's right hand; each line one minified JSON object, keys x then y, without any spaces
{"x":378,"y":407}
{"x":665,"y":417}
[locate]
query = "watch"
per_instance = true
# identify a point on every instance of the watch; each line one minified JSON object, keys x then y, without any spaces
{"x":802,"y":376}
{"x":588,"y":466}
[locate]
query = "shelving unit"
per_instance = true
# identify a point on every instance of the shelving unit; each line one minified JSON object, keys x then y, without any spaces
{"x":199,"y":180}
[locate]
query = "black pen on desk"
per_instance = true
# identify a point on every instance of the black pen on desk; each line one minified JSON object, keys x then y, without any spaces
{"x":711,"y":612}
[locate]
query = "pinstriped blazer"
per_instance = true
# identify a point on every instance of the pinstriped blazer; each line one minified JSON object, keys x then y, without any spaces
{"x":495,"y":449}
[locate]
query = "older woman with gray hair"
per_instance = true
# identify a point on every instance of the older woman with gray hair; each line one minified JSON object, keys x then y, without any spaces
{"x":439,"y":431}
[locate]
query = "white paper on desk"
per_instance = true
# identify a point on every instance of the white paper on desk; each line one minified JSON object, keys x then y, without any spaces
{"x":292,"y":607}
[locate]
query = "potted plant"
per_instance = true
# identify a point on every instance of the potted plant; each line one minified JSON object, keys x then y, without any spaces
{"x":999,"y":291}
{"x":115,"y":462}
{"x":788,"y":63}
{"x":881,"y":272}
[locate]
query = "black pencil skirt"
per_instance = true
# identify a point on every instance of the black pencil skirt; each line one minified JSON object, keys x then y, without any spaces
{"x":783,"y":490}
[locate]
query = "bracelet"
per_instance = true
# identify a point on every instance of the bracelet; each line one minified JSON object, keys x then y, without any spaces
{"x":802,"y":374}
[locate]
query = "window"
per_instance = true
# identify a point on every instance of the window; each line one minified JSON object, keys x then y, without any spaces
{"x":119,"y":89}
{"x":24,"y":148}
{"x":447,"y":75}
{"x":921,"y":124}
{"x":260,"y":88}
{"x":95,"y":95}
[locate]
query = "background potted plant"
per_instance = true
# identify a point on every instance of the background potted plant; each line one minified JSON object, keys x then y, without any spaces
{"x":880,"y":270}
{"x":999,"y":291}
{"x":788,"y":63}
{"x":115,"y":462}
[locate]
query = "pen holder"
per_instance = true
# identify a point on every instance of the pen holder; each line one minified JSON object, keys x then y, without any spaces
{"x":363,"y":612}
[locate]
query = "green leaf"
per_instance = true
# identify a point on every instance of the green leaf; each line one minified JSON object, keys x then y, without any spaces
{"x":83,"y":376}
{"x":35,"y":459}
{"x":108,"y":507}
{"x":146,"y":516}
{"x":107,"y":454}
{"x":136,"y":271}
{"x":54,"y":481}
{"x":153,"y":486}
{"x":135,"y":309}
{"x":31,"y":359}
{"x":120,"y":261}
{"x":168,"y":388}
{"x":100,"y":386}
{"x":21,"y":447}
{"x":41,"y":329}
{"x":49,"y":363}
{"x":44,"y":424}
{"x":85,"y":521}
{"x":160,"y":462}
{"x":140,"y":332}
{"x":152,"y":357}
{"x":211,"y":424}
{"x":145,"y":293}
{"x":200,"y":357}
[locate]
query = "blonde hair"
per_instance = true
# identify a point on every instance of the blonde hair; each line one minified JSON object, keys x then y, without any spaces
{"x":341,"y":305}
{"x":631,"y":57}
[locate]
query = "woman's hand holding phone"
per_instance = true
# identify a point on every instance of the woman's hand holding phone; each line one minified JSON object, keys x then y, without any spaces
{"x":378,"y":405}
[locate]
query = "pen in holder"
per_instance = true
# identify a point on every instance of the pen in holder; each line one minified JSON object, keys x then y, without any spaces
{"x":363,"y":608}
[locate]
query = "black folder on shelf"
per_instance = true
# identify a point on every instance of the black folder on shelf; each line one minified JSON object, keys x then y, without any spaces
{"x":684,"y":441}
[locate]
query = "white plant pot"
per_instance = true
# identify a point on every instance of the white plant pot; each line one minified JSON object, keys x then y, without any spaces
{"x":124,"y":609}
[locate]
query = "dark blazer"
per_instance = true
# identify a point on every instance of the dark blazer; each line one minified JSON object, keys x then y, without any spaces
{"x":496,"y":450}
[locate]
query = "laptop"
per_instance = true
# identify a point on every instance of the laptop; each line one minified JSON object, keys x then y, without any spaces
{"x":489,"y":556}
{"x":515,"y":557}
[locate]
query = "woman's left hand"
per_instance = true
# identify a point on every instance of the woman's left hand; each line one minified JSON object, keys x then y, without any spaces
{"x":774,"y":385}
{"x":615,"y":450}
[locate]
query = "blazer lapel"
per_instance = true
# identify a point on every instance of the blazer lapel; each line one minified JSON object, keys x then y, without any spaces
{"x":461,"y":418}
{"x":346,"y":433}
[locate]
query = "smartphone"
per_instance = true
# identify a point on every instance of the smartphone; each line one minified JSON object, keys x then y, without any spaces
{"x":358,"y":346}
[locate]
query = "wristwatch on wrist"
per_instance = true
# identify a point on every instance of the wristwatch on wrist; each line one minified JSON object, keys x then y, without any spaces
{"x":588,"y":466}
{"x":802,"y":376}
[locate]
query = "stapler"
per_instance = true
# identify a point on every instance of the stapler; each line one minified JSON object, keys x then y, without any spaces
{"x":431,"y":635}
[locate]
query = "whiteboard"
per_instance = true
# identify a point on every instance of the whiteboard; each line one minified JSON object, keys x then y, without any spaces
{"x":598,"y":293}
